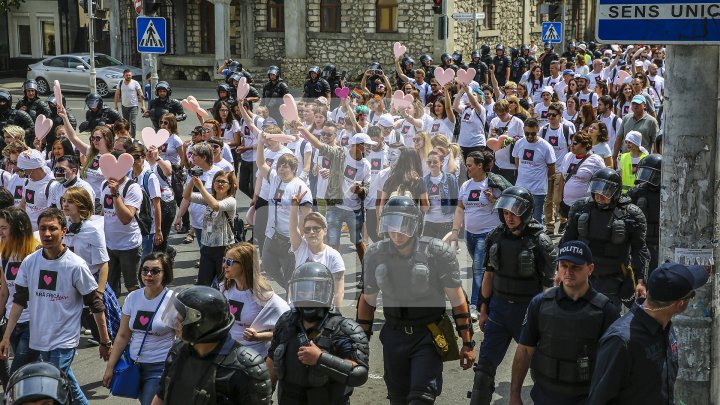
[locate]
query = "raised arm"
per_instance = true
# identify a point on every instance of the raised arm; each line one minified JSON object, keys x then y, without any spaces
{"x":399,"y":71}
{"x":71,"y":134}
{"x":448,"y":103}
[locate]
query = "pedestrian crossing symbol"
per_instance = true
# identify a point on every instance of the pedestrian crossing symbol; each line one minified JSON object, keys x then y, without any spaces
{"x":151,"y":35}
{"x":552,"y":32}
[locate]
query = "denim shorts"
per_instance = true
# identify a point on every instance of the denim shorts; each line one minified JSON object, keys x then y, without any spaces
{"x":354,"y":220}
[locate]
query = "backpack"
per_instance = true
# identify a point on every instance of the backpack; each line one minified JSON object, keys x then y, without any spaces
{"x":176,"y":183}
{"x":565,"y":132}
{"x":143,"y":216}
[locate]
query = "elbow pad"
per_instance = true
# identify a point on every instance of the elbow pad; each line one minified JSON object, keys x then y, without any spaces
{"x":342,"y":371}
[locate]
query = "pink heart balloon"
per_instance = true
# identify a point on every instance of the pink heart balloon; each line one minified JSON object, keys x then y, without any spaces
{"x":402,"y":100}
{"x":152,"y":138}
{"x":288,"y":109}
{"x":250,"y":217}
{"x":399,"y":49}
{"x":58,"y":93}
{"x":191,"y":103}
{"x":493,"y":144}
{"x":444,"y":76}
{"x":187,"y":105}
{"x":466,"y":76}
{"x":282,"y":138}
{"x":115,"y":168}
{"x":621,"y":78}
{"x":242,"y":88}
{"x":342,"y":93}
{"x":43,"y":125}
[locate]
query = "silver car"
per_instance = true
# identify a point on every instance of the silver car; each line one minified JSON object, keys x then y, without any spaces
{"x":73,"y":73}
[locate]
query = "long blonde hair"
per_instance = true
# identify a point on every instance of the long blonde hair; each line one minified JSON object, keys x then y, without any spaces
{"x":21,"y":241}
{"x":248,"y":257}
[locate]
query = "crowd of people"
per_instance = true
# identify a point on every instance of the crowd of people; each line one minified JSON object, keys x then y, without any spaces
{"x":537,"y":146}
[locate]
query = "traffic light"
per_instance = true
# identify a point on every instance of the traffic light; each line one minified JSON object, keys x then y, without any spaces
{"x":99,"y":29}
{"x":89,"y":6}
{"x":151,"y":7}
{"x":437,"y":6}
{"x":554,"y":12}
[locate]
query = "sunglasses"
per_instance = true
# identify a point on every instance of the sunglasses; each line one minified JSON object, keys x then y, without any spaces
{"x":576,"y":143}
{"x":229,"y":262}
{"x":215,"y":146}
{"x":150,"y":271}
{"x":95,"y":138}
{"x":312,"y":229}
{"x":59,"y":170}
{"x":137,"y":157}
{"x":552,"y":115}
{"x":221,"y":182}
{"x":528,"y":133}
{"x":327,"y":134}
{"x":164,"y":122}
{"x":512,"y":102}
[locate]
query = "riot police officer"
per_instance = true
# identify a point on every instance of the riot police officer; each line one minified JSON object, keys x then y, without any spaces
{"x":97,"y":114}
{"x":446,"y":62}
{"x":253,"y":96}
{"x":415,"y":275}
{"x":11,"y":116}
{"x":614,"y":228}
{"x":316,"y":355}
{"x":525,"y":54}
{"x":224,"y":94}
{"x":560,"y":333}
{"x":273,"y":92}
{"x":501,"y":65}
{"x":518,"y":65}
{"x":481,"y":69}
{"x":335,"y":80}
{"x":224,"y":372}
{"x":407,"y":64}
{"x":38,"y":382}
{"x":485,"y":55}
{"x":457,"y":58}
{"x":571,"y":52}
{"x":163,"y":104}
{"x":426,"y":65}
{"x":646,"y":195}
{"x":519,"y":263}
{"x":31,"y":103}
{"x":315,"y":86}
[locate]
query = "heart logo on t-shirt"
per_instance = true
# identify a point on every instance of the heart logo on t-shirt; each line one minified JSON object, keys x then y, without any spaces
{"x":236,"y":308}
{"x":344,"y":141}
{"x":163,"y":148}
{"x":466,"y":117}
{"x":269,"y":162}
{"x":543,"y":114}
{"x":474,"y":195}
{"x":350,"y":172}
{"x":375,"y":163}
{"x":47,"y":280}
{"x":18,"y":192}
{"x":554,"y":140}
{"x":247,"y":130}
{"x":405,"y":129}
{"x":233,"y":309}
{"x":434,"y":189}
{"x":529,"y":155}
{"x":13,"y":268}
{"x":634,"y":169}
{"x":435,"y":127}
{"x":279,"y":195}
{"x":142,"y":320}
{"x":95,"y":163}
{"x":30,"y":197}
{"x":108,"y":202}
{"x":326,"y":163}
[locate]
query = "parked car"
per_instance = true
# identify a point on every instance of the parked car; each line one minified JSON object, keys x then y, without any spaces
{"x":73,"y":73}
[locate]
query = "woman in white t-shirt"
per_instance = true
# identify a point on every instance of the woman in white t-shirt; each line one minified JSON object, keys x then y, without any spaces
{"x":230,"y":127}
{"x":172,"y":150}
{"x":16,"y":242}
{"x":412,"y":121}
{"x":249,"y":294}
{"x":443,"y":118}
{"x":598,"y":132}
{"x":577,"y":169}
{"x":141,"y":327}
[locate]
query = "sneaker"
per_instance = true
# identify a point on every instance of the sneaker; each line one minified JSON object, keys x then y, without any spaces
{"x":549,"y":232}
{"x":473,"y":313}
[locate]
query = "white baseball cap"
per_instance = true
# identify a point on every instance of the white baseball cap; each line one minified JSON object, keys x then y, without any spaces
{"x":362,"y":138}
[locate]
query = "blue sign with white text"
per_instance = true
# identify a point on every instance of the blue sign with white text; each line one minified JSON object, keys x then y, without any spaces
{"x":658,"y":21}
{"x":552,"y":32}
{"x":151,"y":35}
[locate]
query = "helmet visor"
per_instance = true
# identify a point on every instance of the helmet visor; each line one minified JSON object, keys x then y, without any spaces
{"x":404,"y":224}
{"x":93,"y":103}
{"x":648,"y":175}
{"x":310,"y":291}
{"x":603,"y":187}
{"x":177,"y":314}
{"x":513,"y":204}
{"x":36,"y":388}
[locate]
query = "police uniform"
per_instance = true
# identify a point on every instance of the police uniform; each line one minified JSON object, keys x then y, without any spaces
{"x":160,"y":106}
{"x":646,"y":195}
{"x":104,"y":116}
{"x":317,"y":87}
{"x":272,"y":94}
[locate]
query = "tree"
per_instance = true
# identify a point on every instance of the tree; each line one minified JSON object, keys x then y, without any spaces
{"x":9,"y":5}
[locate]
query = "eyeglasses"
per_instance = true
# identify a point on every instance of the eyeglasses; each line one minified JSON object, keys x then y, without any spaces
{"x":150,"y":271}
{"x":224,"y":110}
{"x":552,"y":115}
{"x":312,"y":229}
{"x":221,"y":182}
{"x":229,"y":262}
{"x":137,"y":157}
{"x":528,"y":133}
{"x":512,"y":102}
{"x":215,"y":146}
{"x":164,"y":122}
{"x":95,"y":138}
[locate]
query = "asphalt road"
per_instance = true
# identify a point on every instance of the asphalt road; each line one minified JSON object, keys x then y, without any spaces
{"x":89,"y":368}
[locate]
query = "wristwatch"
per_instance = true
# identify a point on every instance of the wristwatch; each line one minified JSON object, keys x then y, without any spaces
{"x":108,"y":344}
{"x":470,"y":344}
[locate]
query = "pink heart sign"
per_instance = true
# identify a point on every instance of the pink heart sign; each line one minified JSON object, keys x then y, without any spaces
{"x":14,"y":270}
{"x":242,"y":88}
{"x":474,"y":194}
{"x":191,"y":103}
{"x":402,"y":100}
{"x":43,"y":125}
{"x":115,"y":168}
{"x":496,"y":144}
{"x":58,"y":93}
{"x":282,"y":138}
{"x":444,"y":76}
{"x":156,"y":139}
{"x":466,"y":76}
{"x":342,"y":93}
{"x":288,"y":109}
{"x":399,"y":49}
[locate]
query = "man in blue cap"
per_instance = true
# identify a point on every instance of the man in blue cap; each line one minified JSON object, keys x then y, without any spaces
{"x":637,"y":360}
{"x":560,"y":333}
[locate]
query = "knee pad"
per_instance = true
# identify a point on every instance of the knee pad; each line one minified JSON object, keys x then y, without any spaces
{"x":420,"y":398}
{"x":483,"y":383}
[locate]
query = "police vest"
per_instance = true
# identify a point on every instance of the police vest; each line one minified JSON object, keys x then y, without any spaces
{"x":514,"y":260}
{"x":606,"y":233}
{"x":565,"y":355}
{"x":628,"y":174}
{"x":649,"y":202}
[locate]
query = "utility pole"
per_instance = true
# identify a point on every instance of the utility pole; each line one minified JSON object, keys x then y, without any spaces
{"x":91,"y":39}
{"x":689,"y":208}
{"x":563,"y":19}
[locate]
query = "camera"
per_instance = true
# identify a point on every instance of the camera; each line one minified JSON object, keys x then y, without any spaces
{"x":195,"y":171}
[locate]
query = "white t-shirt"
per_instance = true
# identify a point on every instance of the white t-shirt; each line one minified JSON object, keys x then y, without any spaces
{"x":5,"y":177}
{"x":472,"y":127}
{"x":557,"y":139}
{"x":354,"y":171}
{"x":423,"y":90}
{"x":560,"y":90}
{"x":576,"y":187}
{"x":322,"y":183}
{"x":170,"y":150}
{"x":602,"y":149}
{"x":378,"y":159}
{"x":280,"y":202}
{"x":129,"y":93}
{"x":160,"y":337}
{"x":245,"y":308}
{"x":591,"y":97}
{"x":513,"y":128}
{"x":328,"y":257}
{"x":229,"y":130}
{"x":225,"y":165}
{"x":153,"y":189}
{"x":197,"y":211}
{"x":376,"y":184}
{"x":435,"y":214}
{"x":89,"y":243}
{"x":57,"y":192}
{"x":271,"y":159}
{"x":37,"y":196}
{"x":612,"y":129}
{"x":250,"y":138}
{"x":441,"y":126}
{"x":533,"y":168}
{"x":117,"y":235}
{"x":480,"y":216}
{"x":56,"y":291}
{"x":15,"y":187}
{"x":408,"y":131}
{"x":342,"y":138}
{"x":166,"y":192}
{"x":93,"y":174}
{"x":11,"y":269}
{"x":295,"y":147}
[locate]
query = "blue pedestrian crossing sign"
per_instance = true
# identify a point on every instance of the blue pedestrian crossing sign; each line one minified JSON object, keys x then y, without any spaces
{"x":552,"y":32}
{"x":151,"y":35}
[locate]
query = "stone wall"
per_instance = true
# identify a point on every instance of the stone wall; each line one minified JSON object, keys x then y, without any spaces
{"x":192,"y":27}
{"x":269,"y":46}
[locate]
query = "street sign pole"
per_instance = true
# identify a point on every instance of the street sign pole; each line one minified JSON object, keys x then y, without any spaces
{"x":91,"y":39}
{"x":475,"y":30}
{"x":564,"y":16}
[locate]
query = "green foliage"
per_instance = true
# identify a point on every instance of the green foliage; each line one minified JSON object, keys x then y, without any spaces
{"x":9,"y":5}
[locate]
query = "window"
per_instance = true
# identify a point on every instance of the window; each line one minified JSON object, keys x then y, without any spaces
{"x":48,"y":38}
{"x":386,"y":15}
{"x":73,"y":63}
{"x":207,"y":27}
{"x":488,"y":21}
{"x":24,"y":43}
{"x":329,"y":15}
{"x":276,"y":15}
{"x":57,"y":62}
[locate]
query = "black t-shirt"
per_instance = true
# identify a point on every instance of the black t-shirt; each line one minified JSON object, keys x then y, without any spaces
{"x":547,"y":60}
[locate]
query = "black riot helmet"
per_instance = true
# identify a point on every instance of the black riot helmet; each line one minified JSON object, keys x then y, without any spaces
{"x":93,"y":100}
{"x":518,"y":201}
{"x":329,"y":72}
{"x":234,"y":66}
{"x":426,"y":60}
{"x":223,"y":87}
{"x":5,"y":97}
{"x":52,"y":102}
{"x":514,"y":52}
{"x":310,"y":291}
{"x":314,"y":69}
{"x":445,"y":58}
{"x":38,"y":381}
{"x":374,"y":66}
{"x":485,"y":49}
{"x":524,"y":48}
{"x":606,"y":182}
{"x":592,"y":46}
{"x":201,"y":313}
{"x":163,"y":85}
{"x":475,"y":54}
{"x":407,"y":62}
{"x":500,"y":47}
{"x":648,"y":170}
{"x":401,"y":215}
{"x":233,"y":78}
{"x":571,"y":45}
{"x":273,"y":70}
{"x":457,"y":57}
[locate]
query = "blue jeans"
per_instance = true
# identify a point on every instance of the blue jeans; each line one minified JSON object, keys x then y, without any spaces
{"x":538,"y":207}
{"x":62,"y":358}
{"x":20,"y":343}
{"x":150,"y":374}
{"x":148,"y":242}
{"x":354,"y":220}
{"x":504,"y":323}
{"x":476,"y":248}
